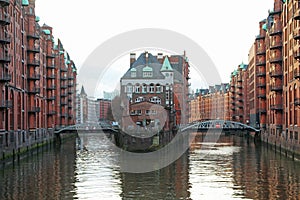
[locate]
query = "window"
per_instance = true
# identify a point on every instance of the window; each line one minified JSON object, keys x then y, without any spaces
{"x":137,"y":89}
{"x":157,"y":88}
{"x":133,"y":74}
{"x":151,"y":88}
{"x":155,"y":100}
{"x":129,"y":89}
{"x":144,"y":88}
{"x":139,"y":99}
{"x":147,"y":74}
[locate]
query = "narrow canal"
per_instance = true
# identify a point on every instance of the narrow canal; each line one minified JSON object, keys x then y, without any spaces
{"x":232,"y":169}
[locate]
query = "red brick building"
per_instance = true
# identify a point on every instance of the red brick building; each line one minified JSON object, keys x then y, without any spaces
{"x":37,"y":78}
{"x":104,"y":107}
{"x":155,"y":91}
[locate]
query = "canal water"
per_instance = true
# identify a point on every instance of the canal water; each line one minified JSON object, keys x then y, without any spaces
{"x":234,"y":168}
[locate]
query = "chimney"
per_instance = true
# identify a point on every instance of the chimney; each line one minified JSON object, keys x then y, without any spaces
{"x":132,"y":58}
{"x":160,"y":57}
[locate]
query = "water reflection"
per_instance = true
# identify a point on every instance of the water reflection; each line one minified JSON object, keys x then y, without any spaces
{"x":231,"y":169}
{"x":48,"y":174}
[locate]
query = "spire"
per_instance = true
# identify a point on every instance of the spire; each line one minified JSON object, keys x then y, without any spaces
{"x":82,"y":92}
{"x":166,"y":66}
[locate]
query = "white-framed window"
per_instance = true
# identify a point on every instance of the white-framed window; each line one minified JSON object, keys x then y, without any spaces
{"x":137,"y":89}
{"x":155,"y":100}
{"x":144,"y":88}
{"x":151,"y":88}
{"x":147,"y":74}
{"x":158,"y":88}
{"x":133,"y":74}
{"x":139,"y":99}
{"x":129,"y":89}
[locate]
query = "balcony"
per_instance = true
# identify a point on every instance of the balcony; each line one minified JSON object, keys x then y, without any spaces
{"x":51,"y":55}
{"x":51,"y":112}
{"x":51,"y":66}
{"x":296,"y":75}
{"x":276,"y":73}
{"x":276,"y":59}
{"x":34,"y":90}
{"x":63,"y":86}
{"x":5,"y":58}
{"x":261,"y":84}
{"x":5,"y":104}
{"x":63,"y":103}
{"x":4,"y":19}
{"x":297,"y":101}
{"x":274,"y":12}
{"x":262,"y":110}
{"x":260,"y":37}
{"x":34,"y":109}
{"x":297,"y":12}
{"x":34,"y":36}
{"x":52,"y":76}
{"x":70,"y":92}
{"x":260,"y":51}
{"x":276,"y":29}
{"x":5,"y":77}
{"x":240,"y":99}
{"x":240,"y":93}
{"x":260,"y":63}
{"x":63,"y":94}
{"x":35,"y":63}
{"x":70,"y":84}
{"x":4,"y":2}
{"x":64,"y":69}
{"x":232,"y":107}
{"x":276,"y":88}
{"x":71,"y":78}
{"x":239,"y":86}
{"x":276,"y":45}
{"x":276,"y":107}
{"x":261,"y":96}
{"x":70,"y":116}
{"x":51,"y":98}
{"x":51,"y":87}
{"x":297,"y":55}
{"x":64,"y":78}
{"x":33,"y":49}
{"x":34,"y":77}
{"x":260,"y":73}
{"x":296,"y":33}
{"x":4,"y":38}
{"x":232,"y":97}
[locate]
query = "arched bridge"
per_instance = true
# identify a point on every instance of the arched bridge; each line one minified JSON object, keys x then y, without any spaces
{"x":86,"y":127}
{"x":223,"y":125}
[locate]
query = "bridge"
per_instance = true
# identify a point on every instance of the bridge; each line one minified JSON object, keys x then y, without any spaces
{"x":86,"y":127}
{"x":219,"y":125}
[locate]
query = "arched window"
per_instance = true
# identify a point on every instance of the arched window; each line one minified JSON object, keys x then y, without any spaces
{"x":144,"y":88}
{"x":151,"y":88}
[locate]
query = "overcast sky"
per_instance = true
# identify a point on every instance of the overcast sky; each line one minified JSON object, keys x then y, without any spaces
{"x":224,"y":29}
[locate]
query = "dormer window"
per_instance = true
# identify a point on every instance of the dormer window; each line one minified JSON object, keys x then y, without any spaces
{"x":133,"y":73}
{"x":147,"y":72}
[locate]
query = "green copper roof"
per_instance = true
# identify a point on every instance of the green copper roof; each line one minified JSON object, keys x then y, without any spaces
{"x":166,"y":66}
{"x":147,"y":69}
{"x":243,"y":66}
{"x":133,"y":70}
{"x":37,"y":18}
{"x":47,"y":32}
{"x":234,"y":73}
{"x":264,"y":26}
{"x":25,"y":3}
